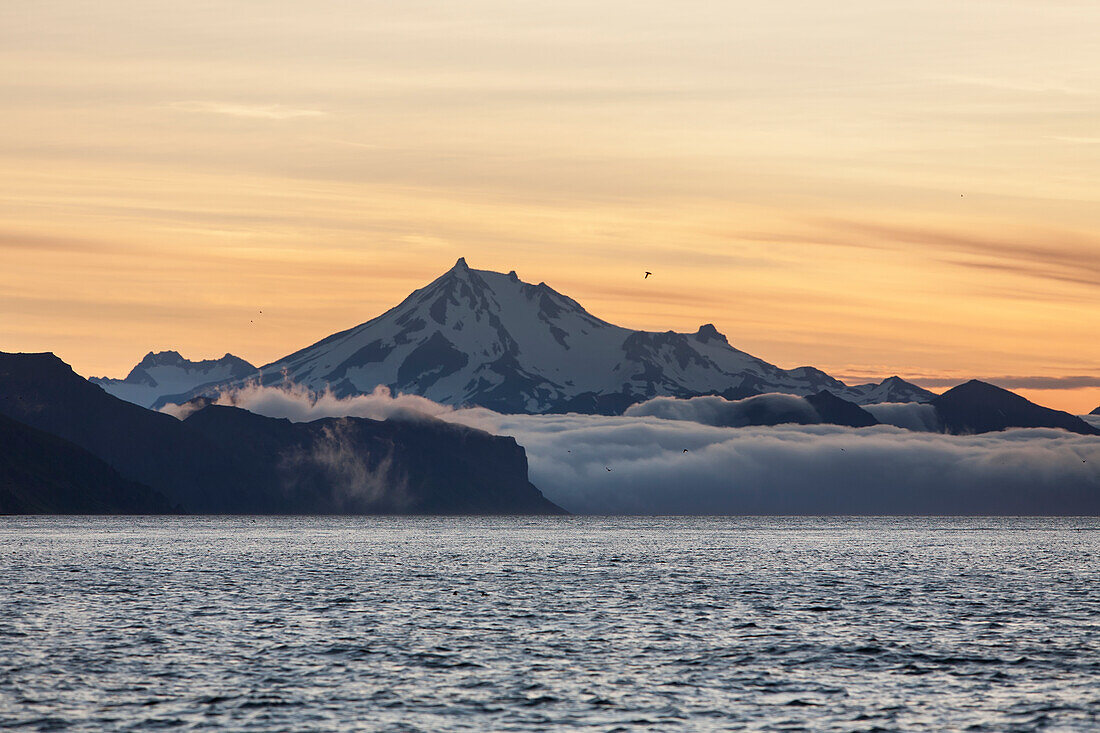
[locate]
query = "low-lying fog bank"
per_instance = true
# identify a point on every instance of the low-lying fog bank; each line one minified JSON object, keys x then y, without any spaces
{"x":642,"y":464}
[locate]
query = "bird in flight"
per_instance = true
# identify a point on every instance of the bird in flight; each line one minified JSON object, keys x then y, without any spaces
{"x":647,"y":275}
{"x":685,"y":450}
{"x":607,"y":468}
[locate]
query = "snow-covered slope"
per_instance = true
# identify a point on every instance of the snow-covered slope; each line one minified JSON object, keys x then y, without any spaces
{"x":891,"y":389}
{"x":474,"y":337}
{"x":166,"y":374}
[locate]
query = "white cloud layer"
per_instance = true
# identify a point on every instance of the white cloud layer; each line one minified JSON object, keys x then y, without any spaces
{"x":916,"y":416}
{"x":720,"y":412}
{"x":661,"y":466}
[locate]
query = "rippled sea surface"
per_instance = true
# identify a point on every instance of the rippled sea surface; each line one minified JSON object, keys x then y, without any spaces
{"x":522,"y":624}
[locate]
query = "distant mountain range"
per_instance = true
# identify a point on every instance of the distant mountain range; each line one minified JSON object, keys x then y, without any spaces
{"x":469,"y":338}
{"x":66,"y":446}
{"x":167,"y":373}
{"x":481,"y":338}
{"x":968,"y":409}
{"x":227,"y":460}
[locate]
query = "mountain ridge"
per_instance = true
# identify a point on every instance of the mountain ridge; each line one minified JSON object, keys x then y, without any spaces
{"x":980,"y":407}
{"x":222,"y":460}
{"x":483,"y":338}
{"x":164,"y":373}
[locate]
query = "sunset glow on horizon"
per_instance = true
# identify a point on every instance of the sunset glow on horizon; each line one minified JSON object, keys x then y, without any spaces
{"x":869,"y":188}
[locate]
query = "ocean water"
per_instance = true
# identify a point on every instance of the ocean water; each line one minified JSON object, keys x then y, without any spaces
{"x":434,"y":624}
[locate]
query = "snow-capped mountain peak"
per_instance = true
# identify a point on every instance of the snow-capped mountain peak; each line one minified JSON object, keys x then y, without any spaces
{"x":478,"y":337}
{"x":166,"y":373}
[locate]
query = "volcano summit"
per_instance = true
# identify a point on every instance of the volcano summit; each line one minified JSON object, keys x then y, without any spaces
{"x":476,"y":337}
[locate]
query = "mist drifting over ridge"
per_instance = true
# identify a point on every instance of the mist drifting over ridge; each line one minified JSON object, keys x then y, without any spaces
{"x":663,"y":466}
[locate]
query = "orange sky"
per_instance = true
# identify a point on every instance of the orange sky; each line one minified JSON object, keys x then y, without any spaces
{"x":872,"y":188}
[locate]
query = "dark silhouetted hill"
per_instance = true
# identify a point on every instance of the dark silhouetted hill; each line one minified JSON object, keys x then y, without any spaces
{"x":231,"y":461}
{"x":358,"y":466}
{"x":43,"y":474}
{"x":837,"y":411}
{"x":149,"y":447}
{"x":978,"y":407}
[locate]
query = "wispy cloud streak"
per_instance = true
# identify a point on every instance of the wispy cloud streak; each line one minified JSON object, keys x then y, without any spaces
{"x":1022,"y":382}
{"x":1061,"y":256}
{"x":256,"y":111}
